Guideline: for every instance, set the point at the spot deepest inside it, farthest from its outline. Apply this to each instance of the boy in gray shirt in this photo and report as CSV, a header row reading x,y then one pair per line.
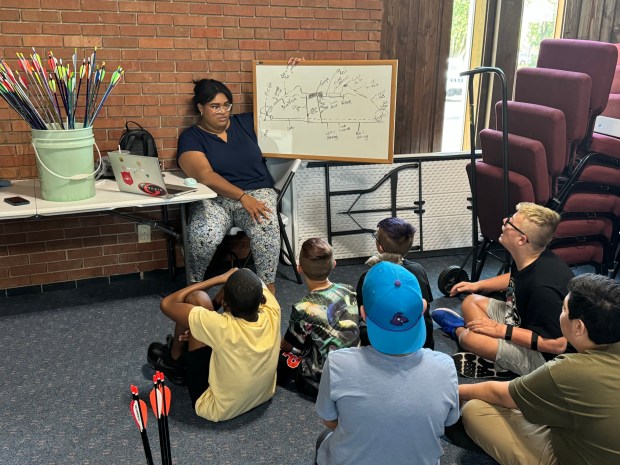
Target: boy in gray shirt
x,y
390,400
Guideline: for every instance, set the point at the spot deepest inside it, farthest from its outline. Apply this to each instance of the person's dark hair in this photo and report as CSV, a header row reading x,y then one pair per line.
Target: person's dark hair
x,y
595,300
395,235
205,90
243,293
316,258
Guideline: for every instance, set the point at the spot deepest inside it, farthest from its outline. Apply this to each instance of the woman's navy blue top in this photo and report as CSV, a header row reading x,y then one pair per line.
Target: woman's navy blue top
x,y
239,160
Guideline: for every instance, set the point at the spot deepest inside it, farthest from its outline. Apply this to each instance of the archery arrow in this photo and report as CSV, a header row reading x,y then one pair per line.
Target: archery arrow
x,y
139,413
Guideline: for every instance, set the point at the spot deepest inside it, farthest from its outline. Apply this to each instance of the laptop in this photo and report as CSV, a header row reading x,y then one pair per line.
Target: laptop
x,y
142,175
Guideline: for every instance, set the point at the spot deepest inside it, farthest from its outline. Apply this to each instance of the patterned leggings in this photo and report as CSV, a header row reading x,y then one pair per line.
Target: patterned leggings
x,y
209,220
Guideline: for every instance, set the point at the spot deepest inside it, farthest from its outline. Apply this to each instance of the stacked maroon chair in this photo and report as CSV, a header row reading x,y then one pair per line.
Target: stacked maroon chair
x,y
602,143
613,105
588,200
550,88
490,198
595,181
550,120
596,59
545,124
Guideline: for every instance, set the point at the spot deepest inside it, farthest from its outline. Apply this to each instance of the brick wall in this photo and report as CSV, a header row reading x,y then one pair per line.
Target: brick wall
x,y
76,247
163,46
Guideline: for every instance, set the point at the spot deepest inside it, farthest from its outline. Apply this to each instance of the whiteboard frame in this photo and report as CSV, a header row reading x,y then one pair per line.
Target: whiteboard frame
x,y
386,157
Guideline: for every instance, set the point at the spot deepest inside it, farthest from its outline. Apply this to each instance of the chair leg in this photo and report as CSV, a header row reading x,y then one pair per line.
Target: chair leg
x,y
481,259
289,250
247,260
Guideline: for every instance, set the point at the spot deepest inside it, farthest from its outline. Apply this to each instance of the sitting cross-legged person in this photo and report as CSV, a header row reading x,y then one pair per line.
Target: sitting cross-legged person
x,y
391,401
568,410
393,240
325,319
521,333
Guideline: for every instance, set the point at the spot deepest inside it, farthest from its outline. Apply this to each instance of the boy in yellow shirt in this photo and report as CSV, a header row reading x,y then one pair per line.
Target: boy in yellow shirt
x,y
231,358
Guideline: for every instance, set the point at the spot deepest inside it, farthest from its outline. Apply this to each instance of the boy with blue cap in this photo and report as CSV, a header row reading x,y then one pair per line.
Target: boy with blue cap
x,y
391,399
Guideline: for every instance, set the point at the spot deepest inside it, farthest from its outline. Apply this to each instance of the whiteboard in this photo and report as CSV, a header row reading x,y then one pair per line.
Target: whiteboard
x,y
326,110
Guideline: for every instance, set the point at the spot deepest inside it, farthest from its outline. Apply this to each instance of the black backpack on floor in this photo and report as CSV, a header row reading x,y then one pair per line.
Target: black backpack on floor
x,y
138,141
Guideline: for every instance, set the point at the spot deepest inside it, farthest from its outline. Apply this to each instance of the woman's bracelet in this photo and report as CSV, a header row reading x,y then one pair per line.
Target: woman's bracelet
x,y
239,199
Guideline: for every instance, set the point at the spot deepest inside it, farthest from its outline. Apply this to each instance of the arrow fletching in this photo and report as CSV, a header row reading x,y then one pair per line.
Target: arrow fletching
x,y
156,402
166,394
138,409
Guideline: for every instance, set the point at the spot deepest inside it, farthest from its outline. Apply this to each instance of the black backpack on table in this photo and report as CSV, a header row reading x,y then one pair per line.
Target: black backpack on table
x,y
138,141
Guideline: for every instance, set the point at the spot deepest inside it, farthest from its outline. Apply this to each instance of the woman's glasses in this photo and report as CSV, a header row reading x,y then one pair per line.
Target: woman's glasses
x,y
221,108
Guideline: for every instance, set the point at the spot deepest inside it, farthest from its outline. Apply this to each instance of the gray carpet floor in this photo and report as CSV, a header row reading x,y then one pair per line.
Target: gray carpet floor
x,y
70,357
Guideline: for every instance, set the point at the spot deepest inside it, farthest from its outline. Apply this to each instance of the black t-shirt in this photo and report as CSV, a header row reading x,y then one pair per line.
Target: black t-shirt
x,y
535,294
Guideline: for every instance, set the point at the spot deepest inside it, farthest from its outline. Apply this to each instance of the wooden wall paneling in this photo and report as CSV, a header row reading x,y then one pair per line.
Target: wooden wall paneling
x,y
388,44
607,19
572,12
506,51
615,28
390,50
426,76
413,32
408,24
592,20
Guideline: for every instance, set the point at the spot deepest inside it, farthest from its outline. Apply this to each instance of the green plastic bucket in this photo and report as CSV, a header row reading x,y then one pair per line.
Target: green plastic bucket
x,y
65,163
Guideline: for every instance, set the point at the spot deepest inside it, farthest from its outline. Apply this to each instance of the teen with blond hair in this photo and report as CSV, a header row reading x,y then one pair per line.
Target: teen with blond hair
x,y
521,333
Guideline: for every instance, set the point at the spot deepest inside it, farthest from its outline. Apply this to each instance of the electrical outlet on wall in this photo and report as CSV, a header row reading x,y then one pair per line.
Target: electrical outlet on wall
x,y
144,233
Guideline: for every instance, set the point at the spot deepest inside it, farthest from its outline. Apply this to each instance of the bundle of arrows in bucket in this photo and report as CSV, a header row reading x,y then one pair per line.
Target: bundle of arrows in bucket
x,y
42,95
160,398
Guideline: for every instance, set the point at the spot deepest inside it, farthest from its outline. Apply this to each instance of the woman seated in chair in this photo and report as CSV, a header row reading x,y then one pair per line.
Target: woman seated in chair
x,y
222,152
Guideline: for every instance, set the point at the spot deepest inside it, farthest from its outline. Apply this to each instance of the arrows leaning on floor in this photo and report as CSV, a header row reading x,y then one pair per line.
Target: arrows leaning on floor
x,y
139,413
160,403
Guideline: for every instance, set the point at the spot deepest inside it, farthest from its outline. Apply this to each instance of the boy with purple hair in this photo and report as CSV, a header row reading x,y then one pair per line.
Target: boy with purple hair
x,y
393,239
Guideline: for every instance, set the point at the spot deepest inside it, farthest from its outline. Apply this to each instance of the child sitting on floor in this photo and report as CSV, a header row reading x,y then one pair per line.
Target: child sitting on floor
x,y
228,360
325,319
393,239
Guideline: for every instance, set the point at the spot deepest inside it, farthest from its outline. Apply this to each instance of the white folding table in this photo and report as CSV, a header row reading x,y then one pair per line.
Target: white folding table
x,y
107,198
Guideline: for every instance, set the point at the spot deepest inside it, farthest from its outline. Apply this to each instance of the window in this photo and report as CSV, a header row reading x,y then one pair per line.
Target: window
x,y
456,86
537,23
540,19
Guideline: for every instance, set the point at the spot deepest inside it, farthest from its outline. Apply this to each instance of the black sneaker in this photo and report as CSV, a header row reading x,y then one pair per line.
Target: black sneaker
x,y
473,366
158,356
157,349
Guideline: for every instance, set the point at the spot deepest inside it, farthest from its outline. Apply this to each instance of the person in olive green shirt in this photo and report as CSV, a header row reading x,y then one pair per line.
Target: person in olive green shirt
x,y
568,410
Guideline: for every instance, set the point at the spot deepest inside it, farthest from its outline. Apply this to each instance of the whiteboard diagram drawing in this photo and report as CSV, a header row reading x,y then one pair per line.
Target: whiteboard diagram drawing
x,y
326,110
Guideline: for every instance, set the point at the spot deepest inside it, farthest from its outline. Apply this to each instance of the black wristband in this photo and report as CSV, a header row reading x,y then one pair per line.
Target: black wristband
x,y
508,335
534,344
239,199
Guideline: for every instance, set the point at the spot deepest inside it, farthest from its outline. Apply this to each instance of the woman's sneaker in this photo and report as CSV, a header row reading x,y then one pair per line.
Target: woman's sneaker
x,y
448,320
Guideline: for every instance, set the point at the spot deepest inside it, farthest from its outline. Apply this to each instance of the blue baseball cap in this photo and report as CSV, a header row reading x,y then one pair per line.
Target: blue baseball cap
x,y
394,307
